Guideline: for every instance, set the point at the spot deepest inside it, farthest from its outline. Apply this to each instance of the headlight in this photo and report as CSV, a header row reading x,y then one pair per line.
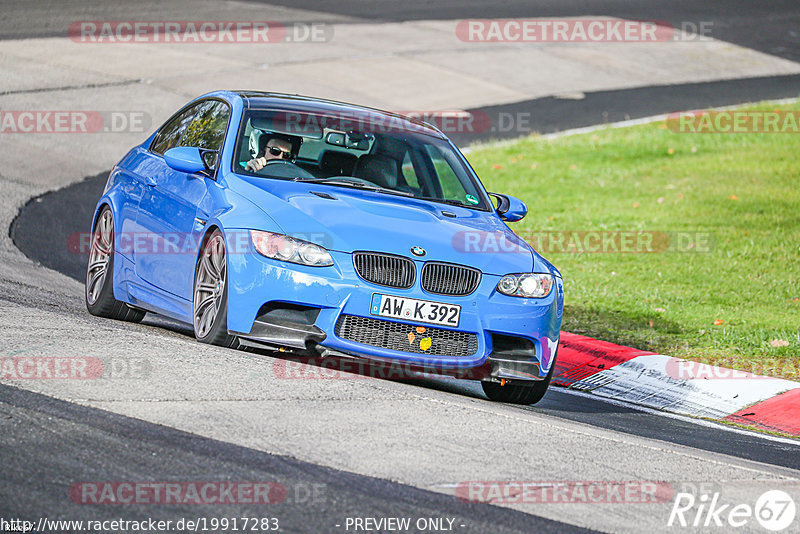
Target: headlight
x,y
529,285
285,248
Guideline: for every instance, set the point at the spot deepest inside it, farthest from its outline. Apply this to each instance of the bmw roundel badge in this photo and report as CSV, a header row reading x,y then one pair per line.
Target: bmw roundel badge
x,y
418,251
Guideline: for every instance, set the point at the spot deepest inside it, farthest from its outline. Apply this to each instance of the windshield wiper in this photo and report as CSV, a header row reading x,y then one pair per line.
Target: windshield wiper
x,y
450,201
338,180
332,180
312,179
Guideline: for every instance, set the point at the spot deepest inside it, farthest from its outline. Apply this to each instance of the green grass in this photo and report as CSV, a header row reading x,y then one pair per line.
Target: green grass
x,y
741,190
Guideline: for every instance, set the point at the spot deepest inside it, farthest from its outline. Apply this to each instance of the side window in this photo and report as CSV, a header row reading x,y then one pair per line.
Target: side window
x,y
409,173
449,182
207,129
444,165
171,132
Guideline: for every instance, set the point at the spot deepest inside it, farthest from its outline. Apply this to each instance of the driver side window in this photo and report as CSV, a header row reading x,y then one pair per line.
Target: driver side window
x,y
207,129
170,133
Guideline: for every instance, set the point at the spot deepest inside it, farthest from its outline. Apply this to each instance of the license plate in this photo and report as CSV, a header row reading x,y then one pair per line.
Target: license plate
x,y
420,311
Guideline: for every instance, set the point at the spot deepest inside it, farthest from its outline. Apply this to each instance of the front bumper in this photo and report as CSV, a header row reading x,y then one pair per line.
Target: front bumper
x,y
254,281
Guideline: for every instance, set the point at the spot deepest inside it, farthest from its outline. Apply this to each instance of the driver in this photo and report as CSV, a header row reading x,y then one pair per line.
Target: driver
x,y
276,148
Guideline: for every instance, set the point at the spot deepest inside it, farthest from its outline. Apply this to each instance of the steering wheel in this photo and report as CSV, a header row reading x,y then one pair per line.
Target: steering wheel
x,y
280,168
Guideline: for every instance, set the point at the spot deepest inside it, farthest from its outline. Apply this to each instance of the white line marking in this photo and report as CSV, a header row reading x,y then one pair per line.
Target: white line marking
x,y
680,417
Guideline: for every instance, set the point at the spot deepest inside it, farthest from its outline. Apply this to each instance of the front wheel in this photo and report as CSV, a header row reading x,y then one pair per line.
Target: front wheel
x,y
519,393
99,293
210,315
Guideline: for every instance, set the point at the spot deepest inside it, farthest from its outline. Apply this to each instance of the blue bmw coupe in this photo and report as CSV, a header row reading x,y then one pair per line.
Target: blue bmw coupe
x,y
325,229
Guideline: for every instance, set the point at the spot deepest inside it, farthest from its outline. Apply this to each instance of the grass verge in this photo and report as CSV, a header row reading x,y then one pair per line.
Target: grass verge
x,y
722,212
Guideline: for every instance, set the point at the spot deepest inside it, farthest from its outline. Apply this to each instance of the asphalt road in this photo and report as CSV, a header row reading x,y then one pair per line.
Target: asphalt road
x,y
374,448
554,114
769,26
63,215
94,446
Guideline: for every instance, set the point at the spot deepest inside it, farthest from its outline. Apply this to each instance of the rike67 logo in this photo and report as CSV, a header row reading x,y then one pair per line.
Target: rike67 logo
x,y
774,510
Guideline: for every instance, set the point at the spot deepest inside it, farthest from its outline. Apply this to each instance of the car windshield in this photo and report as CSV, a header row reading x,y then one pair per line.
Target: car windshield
x,y
355,151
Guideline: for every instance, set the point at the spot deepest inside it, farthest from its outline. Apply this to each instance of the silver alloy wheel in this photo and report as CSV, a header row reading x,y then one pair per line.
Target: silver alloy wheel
x,y
209,285
99,256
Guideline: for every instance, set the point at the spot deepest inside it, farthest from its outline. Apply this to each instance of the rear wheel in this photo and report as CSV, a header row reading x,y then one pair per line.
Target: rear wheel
x,y
99,293
519,393
210,315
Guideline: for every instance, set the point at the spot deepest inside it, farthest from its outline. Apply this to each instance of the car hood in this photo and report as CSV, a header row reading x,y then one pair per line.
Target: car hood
x,y
348,220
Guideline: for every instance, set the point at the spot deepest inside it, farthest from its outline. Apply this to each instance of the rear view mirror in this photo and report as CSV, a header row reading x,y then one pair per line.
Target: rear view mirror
x,y
354,140
185,159
358,140
335,138
510,208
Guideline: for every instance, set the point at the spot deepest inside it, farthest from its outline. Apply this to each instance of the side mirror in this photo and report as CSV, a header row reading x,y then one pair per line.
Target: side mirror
x,y
185,159
510,208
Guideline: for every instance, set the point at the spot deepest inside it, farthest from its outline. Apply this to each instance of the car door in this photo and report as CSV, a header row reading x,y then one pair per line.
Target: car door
x,y
170,209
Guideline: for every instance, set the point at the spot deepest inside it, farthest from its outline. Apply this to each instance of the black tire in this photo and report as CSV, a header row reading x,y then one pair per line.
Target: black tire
x,y
217,334
519,393
99,287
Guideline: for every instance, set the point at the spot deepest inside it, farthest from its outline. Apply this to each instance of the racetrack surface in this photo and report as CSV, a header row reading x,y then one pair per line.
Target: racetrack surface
x,y
96,443
180,411
62,215
555,113
768,26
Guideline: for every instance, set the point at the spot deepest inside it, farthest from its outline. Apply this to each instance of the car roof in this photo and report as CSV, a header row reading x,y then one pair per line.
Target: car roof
x,y
307,104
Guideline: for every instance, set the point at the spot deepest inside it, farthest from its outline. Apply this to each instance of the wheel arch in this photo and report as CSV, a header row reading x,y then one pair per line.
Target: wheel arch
x,y
104,203
111,199
208,231
220,338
